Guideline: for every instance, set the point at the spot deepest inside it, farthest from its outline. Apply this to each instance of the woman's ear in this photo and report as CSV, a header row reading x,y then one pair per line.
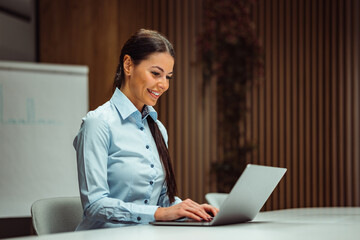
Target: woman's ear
x,y
127,65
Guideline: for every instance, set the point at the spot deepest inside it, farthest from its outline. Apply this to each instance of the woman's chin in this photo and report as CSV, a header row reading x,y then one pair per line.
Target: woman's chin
x,y
152,102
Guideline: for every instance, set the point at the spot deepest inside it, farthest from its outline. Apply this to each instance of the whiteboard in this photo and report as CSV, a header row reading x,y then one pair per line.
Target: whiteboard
x,y
41,106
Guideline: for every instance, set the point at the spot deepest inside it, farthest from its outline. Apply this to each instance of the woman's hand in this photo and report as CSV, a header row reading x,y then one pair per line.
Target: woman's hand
x,y
188,208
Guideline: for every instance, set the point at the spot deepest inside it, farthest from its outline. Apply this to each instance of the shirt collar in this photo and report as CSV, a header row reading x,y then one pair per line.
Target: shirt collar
x,y
126,108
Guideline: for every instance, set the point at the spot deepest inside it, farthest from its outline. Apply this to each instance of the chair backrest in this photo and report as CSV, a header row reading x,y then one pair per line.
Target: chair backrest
x,y
216,199
55,215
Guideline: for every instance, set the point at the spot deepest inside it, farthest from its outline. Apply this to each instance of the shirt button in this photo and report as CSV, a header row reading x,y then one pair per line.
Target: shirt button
x,y
146,201
151,182
142,129
138,218
152,166
147,146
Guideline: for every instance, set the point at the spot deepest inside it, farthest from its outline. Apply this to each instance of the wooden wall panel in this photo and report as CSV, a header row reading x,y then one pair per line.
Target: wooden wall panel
x,y
310,122
304,113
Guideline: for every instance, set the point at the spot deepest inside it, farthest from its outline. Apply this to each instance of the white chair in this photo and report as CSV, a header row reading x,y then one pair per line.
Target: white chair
x,y
55,215
216,199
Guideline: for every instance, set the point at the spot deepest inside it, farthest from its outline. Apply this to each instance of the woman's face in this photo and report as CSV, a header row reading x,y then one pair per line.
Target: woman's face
x,y
147,81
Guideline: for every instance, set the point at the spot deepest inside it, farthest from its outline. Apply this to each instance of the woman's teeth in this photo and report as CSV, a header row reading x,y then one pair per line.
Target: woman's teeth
x,y
155,93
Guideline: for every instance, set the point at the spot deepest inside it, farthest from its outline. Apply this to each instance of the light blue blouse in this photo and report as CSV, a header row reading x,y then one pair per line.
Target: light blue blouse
x,y
121,178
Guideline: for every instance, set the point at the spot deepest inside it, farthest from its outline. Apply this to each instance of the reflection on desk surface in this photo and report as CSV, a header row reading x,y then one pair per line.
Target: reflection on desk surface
x,y
312,215
294,224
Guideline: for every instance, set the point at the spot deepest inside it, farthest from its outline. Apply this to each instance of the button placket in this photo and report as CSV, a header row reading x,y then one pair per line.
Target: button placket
x,y
152,176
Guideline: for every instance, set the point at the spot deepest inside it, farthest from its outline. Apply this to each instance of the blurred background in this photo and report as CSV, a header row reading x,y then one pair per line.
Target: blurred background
x,y
300,105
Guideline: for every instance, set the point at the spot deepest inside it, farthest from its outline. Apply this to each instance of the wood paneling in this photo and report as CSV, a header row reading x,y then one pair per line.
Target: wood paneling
x,y
306,111
304,114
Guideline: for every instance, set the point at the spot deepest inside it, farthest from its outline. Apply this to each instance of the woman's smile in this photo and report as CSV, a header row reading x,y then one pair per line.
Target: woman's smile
x,y
154,94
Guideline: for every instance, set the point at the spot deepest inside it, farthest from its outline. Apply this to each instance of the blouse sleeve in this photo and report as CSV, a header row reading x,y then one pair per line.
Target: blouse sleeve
x,y
92,145
164,200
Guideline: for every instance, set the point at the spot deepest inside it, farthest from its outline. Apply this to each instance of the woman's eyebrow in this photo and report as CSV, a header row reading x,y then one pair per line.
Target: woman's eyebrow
x,y
162,70
158,68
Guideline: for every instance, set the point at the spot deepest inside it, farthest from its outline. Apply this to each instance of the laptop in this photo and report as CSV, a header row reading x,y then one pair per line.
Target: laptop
x,y
245,200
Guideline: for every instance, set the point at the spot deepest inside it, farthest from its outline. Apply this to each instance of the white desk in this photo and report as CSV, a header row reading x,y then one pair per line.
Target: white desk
x,y
307,223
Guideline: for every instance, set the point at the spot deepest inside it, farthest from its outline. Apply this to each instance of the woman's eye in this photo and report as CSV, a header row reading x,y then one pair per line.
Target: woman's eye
x,y
169,77
155,73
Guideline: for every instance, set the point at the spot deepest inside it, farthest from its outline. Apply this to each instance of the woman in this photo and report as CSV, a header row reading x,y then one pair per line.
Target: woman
x,y
124,167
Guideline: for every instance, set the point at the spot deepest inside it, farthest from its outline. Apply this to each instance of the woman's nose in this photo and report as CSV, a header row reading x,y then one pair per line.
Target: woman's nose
x,y
163,84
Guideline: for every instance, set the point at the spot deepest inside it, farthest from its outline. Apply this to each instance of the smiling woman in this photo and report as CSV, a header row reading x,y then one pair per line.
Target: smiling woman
x,y
124,167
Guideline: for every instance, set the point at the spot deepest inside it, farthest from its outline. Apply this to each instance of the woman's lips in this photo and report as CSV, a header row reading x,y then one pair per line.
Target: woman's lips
x,y
154,94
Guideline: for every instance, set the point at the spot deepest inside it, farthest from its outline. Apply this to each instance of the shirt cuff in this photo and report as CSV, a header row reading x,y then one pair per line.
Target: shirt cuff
x,y
177,201
144,214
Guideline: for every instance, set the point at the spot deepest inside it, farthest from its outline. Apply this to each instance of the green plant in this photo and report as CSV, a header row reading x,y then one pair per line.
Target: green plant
x,y
230,53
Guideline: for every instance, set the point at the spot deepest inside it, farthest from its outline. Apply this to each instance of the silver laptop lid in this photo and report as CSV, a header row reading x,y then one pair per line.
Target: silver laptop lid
x,y
249,194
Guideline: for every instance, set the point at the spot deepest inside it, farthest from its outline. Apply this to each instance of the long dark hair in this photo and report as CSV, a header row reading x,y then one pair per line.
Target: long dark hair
x,y
139,46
